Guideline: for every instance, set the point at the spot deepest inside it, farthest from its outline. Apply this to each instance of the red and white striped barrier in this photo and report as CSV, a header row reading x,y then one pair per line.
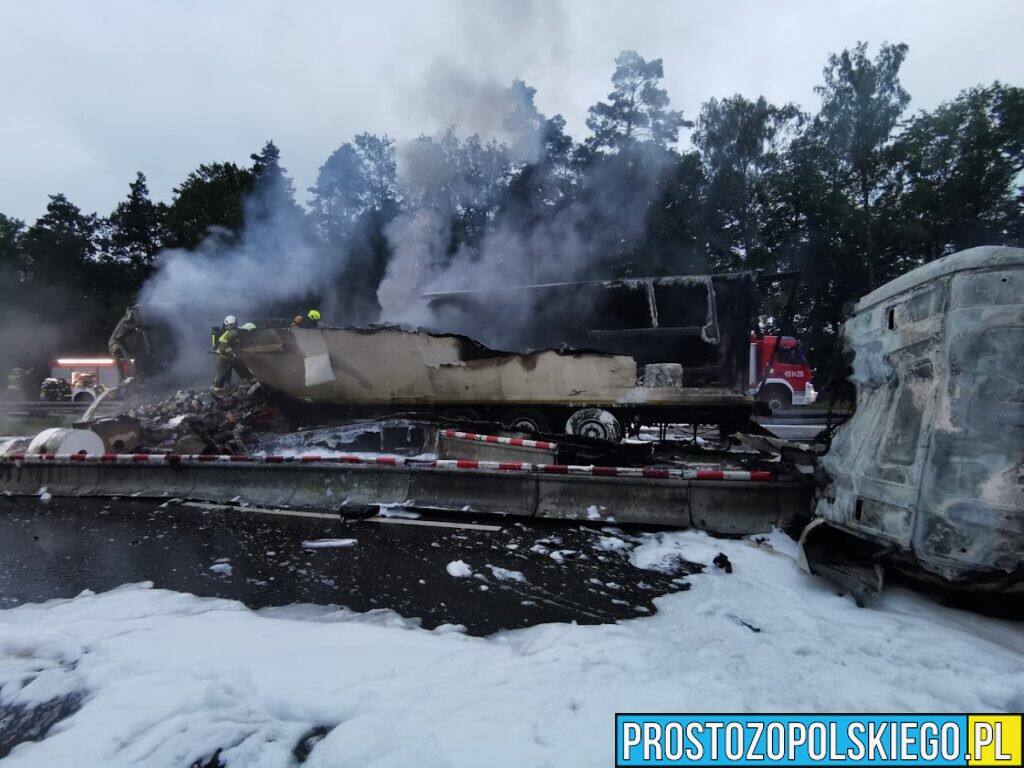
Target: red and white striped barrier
x,y
174,459
501,440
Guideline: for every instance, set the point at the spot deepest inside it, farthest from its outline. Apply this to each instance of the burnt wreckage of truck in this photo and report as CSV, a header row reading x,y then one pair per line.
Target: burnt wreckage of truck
x,y
700,322
608,353
927,476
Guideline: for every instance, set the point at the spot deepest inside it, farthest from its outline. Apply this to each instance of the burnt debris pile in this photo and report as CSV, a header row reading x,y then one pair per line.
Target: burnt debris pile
x,y
203,421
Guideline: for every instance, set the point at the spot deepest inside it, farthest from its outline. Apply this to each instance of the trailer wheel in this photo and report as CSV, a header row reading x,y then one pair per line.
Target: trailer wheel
x,y
595,423
83,397
776,396
526,420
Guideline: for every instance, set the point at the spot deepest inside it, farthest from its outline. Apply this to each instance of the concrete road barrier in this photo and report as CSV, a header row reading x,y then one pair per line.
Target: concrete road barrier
x,y
615,499
710,500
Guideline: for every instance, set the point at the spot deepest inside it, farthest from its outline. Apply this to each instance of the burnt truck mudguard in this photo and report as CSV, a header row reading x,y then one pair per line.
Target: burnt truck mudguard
x,y
930,469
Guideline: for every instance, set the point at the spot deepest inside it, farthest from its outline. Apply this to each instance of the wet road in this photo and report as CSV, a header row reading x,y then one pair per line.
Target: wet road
x,y
522,574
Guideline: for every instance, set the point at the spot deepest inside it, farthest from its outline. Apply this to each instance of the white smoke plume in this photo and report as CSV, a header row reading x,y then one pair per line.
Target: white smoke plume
x,y
490,136
549,240
272,266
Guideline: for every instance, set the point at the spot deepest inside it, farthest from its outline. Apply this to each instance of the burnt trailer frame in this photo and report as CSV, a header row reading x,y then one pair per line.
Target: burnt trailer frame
x,y
659,350
701,322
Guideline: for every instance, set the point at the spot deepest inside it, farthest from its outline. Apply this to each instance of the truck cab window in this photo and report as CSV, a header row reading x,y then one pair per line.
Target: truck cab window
x,y
790,355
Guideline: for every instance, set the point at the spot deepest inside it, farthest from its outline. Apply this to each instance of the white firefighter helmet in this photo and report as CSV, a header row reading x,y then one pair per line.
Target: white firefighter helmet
x,y
230,320
249,327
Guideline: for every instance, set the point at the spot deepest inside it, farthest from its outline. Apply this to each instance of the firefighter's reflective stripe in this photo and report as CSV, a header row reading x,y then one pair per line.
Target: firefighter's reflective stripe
x,y
224,343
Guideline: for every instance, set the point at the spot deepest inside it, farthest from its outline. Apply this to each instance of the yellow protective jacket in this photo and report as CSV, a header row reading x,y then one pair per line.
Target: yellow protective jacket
x,y
224,342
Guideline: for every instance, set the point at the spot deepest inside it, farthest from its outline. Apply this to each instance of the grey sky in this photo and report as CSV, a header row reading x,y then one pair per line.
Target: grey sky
x,y
93,91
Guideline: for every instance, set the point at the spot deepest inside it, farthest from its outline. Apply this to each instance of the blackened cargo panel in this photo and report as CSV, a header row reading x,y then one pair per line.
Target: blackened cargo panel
x,y
701,322
392,366
932,462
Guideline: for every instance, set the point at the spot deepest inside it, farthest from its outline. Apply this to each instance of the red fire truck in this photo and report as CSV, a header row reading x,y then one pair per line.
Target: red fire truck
x,y
79,379
783,380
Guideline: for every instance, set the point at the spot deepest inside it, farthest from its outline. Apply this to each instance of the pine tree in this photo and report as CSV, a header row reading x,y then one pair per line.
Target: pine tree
x,y
637,108
624,168
137,227
862,102
357,179
12,259
60,248
273,193
353,201
835,213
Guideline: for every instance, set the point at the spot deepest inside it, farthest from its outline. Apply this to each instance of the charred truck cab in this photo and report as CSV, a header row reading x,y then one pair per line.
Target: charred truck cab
x,y
929,471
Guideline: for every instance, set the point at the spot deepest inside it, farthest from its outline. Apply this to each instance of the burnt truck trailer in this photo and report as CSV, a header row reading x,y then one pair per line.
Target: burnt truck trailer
x,y
689,332
590,358
385,370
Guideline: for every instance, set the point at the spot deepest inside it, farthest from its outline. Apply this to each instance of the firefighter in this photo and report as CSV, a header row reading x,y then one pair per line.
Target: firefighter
x,y
311,320
215,333
54,389
16,381
227,361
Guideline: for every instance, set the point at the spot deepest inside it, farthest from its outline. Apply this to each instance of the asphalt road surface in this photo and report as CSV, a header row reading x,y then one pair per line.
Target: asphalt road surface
x,y
58,548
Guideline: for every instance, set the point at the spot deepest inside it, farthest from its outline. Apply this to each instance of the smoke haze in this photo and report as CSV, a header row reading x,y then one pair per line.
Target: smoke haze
x,y
540,239
270,267
493,133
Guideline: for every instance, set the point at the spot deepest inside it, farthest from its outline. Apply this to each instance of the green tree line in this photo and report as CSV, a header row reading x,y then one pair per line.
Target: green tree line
x,y
851,195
